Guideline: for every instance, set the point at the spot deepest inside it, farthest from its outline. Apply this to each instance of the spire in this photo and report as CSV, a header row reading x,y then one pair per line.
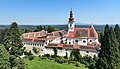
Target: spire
x,y
71,16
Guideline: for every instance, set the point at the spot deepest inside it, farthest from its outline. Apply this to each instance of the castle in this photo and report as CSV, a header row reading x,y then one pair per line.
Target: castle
x,y
83,39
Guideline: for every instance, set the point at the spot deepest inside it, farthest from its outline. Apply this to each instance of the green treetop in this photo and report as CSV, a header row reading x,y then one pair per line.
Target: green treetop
x,y
109,53
12,40
4,58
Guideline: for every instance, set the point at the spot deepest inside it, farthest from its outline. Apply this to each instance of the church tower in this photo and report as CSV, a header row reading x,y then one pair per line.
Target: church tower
x,y
71,24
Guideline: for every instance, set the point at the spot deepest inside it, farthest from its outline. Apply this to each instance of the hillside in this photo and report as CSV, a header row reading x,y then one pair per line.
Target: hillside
x,y
38,63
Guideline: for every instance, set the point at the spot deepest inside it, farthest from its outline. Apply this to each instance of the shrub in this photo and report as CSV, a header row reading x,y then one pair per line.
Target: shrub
x,y
66,56
77,64
31,57
39,55
56,59
65,60
35,50
75,55
60,60
71,62
87,60
26,57
28,53
47,55
43,58
55,52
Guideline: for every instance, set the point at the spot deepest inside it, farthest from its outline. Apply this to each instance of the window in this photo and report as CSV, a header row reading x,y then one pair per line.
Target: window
x,y
69,42
76,40
84,41
70,25
90,40
87,51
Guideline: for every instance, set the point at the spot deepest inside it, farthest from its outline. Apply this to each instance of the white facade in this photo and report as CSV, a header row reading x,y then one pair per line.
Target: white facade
x,y
60,52
71,26
56,40
89,53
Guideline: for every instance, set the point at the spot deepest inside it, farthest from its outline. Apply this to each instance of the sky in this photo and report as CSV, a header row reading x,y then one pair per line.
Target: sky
x,y
43,12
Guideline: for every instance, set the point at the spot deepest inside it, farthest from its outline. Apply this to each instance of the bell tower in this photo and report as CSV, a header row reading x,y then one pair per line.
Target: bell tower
x,y
71,22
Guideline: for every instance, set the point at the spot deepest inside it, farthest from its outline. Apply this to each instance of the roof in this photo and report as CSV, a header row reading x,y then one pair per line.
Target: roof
x,y
81,47
60,33
83,33
42,35
34,34
34,40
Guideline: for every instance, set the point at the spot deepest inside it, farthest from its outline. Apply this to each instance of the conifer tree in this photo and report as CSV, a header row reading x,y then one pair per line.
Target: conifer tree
x,y
109,53
103,51
12,40
75,55
4,58
117,32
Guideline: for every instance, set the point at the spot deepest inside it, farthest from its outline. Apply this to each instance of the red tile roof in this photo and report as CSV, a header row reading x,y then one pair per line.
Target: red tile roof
x,y
81,47
83,33
42,35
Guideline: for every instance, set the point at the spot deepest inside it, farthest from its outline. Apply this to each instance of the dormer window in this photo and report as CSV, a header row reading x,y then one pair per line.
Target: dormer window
x,y
76,40
90,40
84,41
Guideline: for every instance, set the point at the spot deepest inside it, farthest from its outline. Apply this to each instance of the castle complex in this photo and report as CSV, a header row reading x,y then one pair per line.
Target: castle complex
x,y
83,39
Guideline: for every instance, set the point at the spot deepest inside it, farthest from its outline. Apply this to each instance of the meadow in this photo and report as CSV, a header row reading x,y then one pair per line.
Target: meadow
x,y
38,63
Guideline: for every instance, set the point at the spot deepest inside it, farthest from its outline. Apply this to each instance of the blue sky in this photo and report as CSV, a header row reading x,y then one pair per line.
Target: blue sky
x,y
40,12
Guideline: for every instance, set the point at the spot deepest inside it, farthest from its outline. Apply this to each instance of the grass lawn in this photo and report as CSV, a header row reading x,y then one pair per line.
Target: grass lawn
x,y
38,63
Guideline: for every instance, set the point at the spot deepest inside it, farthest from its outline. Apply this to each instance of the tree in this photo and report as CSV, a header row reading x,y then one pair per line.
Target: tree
x,y
39,28
12,40
21,64
44,28
75,55
26,31
117,32
100,35
102,62
109,53
2,34
4,58
55,52
50,29
13,61
92,65
66,56
35,50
